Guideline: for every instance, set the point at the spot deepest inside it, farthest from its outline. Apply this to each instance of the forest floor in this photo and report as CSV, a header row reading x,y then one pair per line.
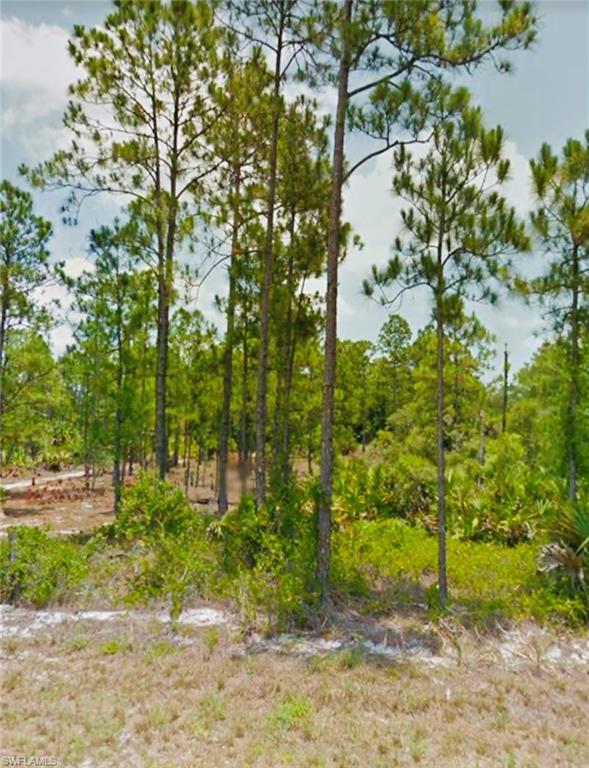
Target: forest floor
x,y
61,500
134,689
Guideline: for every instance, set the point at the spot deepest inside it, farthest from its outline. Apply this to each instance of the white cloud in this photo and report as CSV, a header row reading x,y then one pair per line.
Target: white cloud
x,y
35,58
35,73
518,187
75,266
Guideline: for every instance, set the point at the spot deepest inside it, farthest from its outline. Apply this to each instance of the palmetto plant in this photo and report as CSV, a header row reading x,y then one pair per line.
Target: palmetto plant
x,y
570,553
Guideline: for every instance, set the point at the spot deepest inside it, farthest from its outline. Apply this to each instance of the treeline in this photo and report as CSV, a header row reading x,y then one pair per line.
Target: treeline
x,y
203,119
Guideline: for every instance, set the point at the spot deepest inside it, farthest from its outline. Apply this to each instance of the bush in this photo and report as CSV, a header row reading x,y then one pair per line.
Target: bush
x,y
565,559
502,501
174,558
405,488
269,555
38,568
154,509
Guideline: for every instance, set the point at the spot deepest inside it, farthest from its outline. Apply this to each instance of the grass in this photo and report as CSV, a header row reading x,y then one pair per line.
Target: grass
x,y
191,707
390,564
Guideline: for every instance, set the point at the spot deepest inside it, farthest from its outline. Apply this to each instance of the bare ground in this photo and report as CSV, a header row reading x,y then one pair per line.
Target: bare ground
x,y
137,690
62,501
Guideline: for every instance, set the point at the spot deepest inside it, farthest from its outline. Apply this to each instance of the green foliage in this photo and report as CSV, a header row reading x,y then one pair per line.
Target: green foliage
x,y
389,562
114,647
174,558
38,568
270,554
290,713
503,500
154,509
405,488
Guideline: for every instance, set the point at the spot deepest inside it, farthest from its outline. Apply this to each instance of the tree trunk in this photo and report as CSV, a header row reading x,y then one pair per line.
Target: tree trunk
x,y
280,457
187,449
228,361
176,452
161,442
574,381
244,449
505,390
440,450
482,443
3,323
117,474
165,282
333,250
262,394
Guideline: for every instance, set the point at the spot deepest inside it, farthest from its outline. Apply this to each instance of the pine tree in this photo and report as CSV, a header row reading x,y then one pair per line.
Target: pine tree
x,y
24,270
561,223
459,233
140,118
387,60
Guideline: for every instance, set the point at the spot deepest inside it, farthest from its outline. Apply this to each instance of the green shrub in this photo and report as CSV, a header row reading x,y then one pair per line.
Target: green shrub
x,y
390,560
154,509
38,568
269,555
501,501
290,713
405,488
174,559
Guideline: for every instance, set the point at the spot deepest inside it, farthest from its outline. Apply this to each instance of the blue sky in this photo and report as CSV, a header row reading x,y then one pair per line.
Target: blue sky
x,y
545,99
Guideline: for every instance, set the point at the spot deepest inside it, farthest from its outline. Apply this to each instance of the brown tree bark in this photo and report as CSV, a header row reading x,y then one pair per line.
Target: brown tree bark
x,y
574,380
333,252
225,434
262,393
440,449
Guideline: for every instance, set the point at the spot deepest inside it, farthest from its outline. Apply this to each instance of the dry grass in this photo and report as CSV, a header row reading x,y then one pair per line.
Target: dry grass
x,y
139,695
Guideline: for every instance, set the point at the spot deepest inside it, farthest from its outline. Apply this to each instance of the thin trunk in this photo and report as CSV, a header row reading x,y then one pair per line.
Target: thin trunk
x,y
244,463
505,390
333,249
165,279
187,439
176,453
161,442
441,454
3,323
262,395
482,442
117,475
144,449
228,360
280,457
86,433
574,381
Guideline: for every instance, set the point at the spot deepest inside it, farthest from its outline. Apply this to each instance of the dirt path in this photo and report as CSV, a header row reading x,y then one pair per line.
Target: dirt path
x,y
27,482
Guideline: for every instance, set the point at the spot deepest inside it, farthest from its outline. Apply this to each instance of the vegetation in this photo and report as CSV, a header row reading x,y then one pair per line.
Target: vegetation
x,y
443,484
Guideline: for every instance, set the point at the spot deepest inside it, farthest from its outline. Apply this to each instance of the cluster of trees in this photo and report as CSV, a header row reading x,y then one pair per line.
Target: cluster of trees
x,y
202,118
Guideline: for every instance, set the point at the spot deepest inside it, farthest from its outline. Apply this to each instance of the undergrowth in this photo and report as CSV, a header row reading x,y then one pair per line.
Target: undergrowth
x,y
162,550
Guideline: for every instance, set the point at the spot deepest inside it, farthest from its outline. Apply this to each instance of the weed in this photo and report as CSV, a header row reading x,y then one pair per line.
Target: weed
x,y
290,713
114,646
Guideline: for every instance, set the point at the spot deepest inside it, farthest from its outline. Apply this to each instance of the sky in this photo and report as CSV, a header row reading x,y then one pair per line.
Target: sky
x,y
546,98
